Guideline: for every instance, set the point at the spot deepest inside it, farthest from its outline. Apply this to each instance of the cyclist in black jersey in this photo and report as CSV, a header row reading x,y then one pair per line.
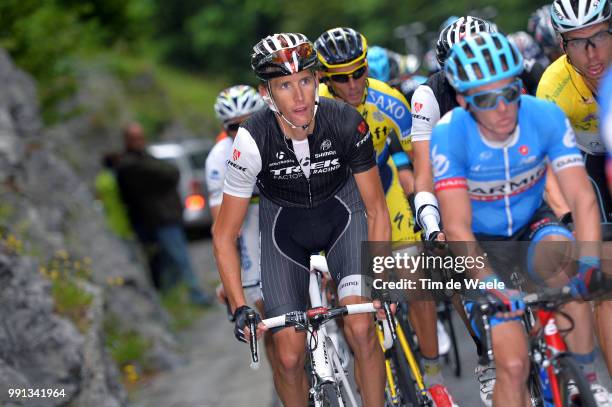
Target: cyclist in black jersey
x,y
313,162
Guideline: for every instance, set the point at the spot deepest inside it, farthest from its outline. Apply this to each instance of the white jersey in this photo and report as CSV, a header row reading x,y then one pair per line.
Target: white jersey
x,y
216,168
425,113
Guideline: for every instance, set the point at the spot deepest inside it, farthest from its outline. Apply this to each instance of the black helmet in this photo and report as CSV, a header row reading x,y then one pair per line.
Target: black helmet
x,y
282,54
459,29
341,46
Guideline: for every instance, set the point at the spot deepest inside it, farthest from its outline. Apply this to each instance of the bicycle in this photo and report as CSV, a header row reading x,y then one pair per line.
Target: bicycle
x,y
554,373
405,386
329,384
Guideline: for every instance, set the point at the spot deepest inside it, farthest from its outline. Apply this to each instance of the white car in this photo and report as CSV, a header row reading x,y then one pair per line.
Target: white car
x,y
189,157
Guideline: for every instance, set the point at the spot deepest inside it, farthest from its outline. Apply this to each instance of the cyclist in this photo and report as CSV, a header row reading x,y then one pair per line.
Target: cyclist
x,y
342,52
540,26
571,82
532,54
490,158
233,106
606,119
430,102
313,162
379,67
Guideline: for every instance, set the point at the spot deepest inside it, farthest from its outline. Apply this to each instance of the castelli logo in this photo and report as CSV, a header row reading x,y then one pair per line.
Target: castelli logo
x,y
236,154
524,150
362,127
417,107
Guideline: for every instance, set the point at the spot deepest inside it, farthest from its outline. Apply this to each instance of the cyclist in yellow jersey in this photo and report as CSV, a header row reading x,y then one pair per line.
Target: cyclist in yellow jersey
x,y
342,52
571,82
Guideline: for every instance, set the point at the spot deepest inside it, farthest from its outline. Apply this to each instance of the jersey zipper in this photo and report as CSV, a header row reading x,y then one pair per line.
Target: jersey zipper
x,y
298,163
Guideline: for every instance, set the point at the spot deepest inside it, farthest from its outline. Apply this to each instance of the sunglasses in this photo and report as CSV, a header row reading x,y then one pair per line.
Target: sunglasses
x,y
232,127
595,40
356,73
489,99
291,55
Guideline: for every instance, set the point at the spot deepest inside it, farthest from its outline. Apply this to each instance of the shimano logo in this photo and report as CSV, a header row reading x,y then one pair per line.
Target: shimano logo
x,y
325,154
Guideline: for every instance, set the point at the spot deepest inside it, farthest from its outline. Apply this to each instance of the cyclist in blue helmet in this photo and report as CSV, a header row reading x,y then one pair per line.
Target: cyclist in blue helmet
x,y
489,160
378,63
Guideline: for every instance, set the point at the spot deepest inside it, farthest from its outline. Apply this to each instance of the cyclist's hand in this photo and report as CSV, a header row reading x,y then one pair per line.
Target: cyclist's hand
x,y
380,313
508,299
241,329
588,279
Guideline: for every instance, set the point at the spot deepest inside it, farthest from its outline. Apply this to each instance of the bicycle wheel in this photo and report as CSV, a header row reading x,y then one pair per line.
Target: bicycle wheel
x,y
330,397
570,376
409,392
452,357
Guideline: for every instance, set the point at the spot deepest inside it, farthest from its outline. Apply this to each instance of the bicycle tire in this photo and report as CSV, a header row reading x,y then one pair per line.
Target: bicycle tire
x,y
329,395
453,357
406,383
568,370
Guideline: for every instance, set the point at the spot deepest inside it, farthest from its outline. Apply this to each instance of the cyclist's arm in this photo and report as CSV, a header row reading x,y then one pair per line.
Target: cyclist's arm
x,y
225,233
370,188
401,159
240,178
580,197
554,196
214,175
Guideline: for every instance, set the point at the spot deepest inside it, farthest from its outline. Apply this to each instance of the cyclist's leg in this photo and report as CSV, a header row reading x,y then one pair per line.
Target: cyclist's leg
x,y
344,260
284,276
510,350
603,309
423,315
549,258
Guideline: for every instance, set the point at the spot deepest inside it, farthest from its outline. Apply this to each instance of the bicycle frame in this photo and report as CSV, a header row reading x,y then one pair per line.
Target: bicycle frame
x,y
412,363
553,346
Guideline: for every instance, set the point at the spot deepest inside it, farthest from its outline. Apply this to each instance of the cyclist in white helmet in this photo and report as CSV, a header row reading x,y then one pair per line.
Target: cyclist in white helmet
x,y
233,106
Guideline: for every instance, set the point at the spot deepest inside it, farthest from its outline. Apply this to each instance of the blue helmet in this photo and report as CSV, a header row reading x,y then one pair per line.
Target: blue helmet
x,y
482,59
378,63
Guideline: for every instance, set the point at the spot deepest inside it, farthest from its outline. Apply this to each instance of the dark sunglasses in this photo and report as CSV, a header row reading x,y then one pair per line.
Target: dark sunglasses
x,y
233,127
489,99
344,77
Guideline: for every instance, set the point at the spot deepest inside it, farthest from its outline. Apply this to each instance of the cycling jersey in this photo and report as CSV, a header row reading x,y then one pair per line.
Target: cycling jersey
x,y
562,85
262,156
430,102
388,116
605,96
565,87
505,181
299,215
248,241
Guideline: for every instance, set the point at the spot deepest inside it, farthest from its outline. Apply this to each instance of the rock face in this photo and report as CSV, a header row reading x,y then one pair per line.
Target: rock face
x,y
49,208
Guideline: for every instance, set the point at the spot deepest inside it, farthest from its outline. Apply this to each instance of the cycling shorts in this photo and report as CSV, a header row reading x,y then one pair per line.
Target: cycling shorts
x,y
504,258
290,235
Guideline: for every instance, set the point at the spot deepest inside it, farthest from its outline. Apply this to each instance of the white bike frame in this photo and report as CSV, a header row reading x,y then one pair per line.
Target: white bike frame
x,y
326,362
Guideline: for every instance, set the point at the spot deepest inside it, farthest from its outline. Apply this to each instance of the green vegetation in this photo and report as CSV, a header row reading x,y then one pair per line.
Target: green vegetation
x,y
70,298
183,312
193,48
126,347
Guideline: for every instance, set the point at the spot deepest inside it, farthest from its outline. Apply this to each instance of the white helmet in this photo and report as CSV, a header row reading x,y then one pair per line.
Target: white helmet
x,y
237,101
569,15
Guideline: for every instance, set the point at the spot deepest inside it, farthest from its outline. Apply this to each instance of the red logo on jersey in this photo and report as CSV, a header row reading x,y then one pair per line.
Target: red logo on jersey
x,y
417,107
524,150
362,127
236,155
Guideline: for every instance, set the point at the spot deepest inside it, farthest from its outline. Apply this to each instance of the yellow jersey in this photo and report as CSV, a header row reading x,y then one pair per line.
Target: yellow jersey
x,y
562,85
387,114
